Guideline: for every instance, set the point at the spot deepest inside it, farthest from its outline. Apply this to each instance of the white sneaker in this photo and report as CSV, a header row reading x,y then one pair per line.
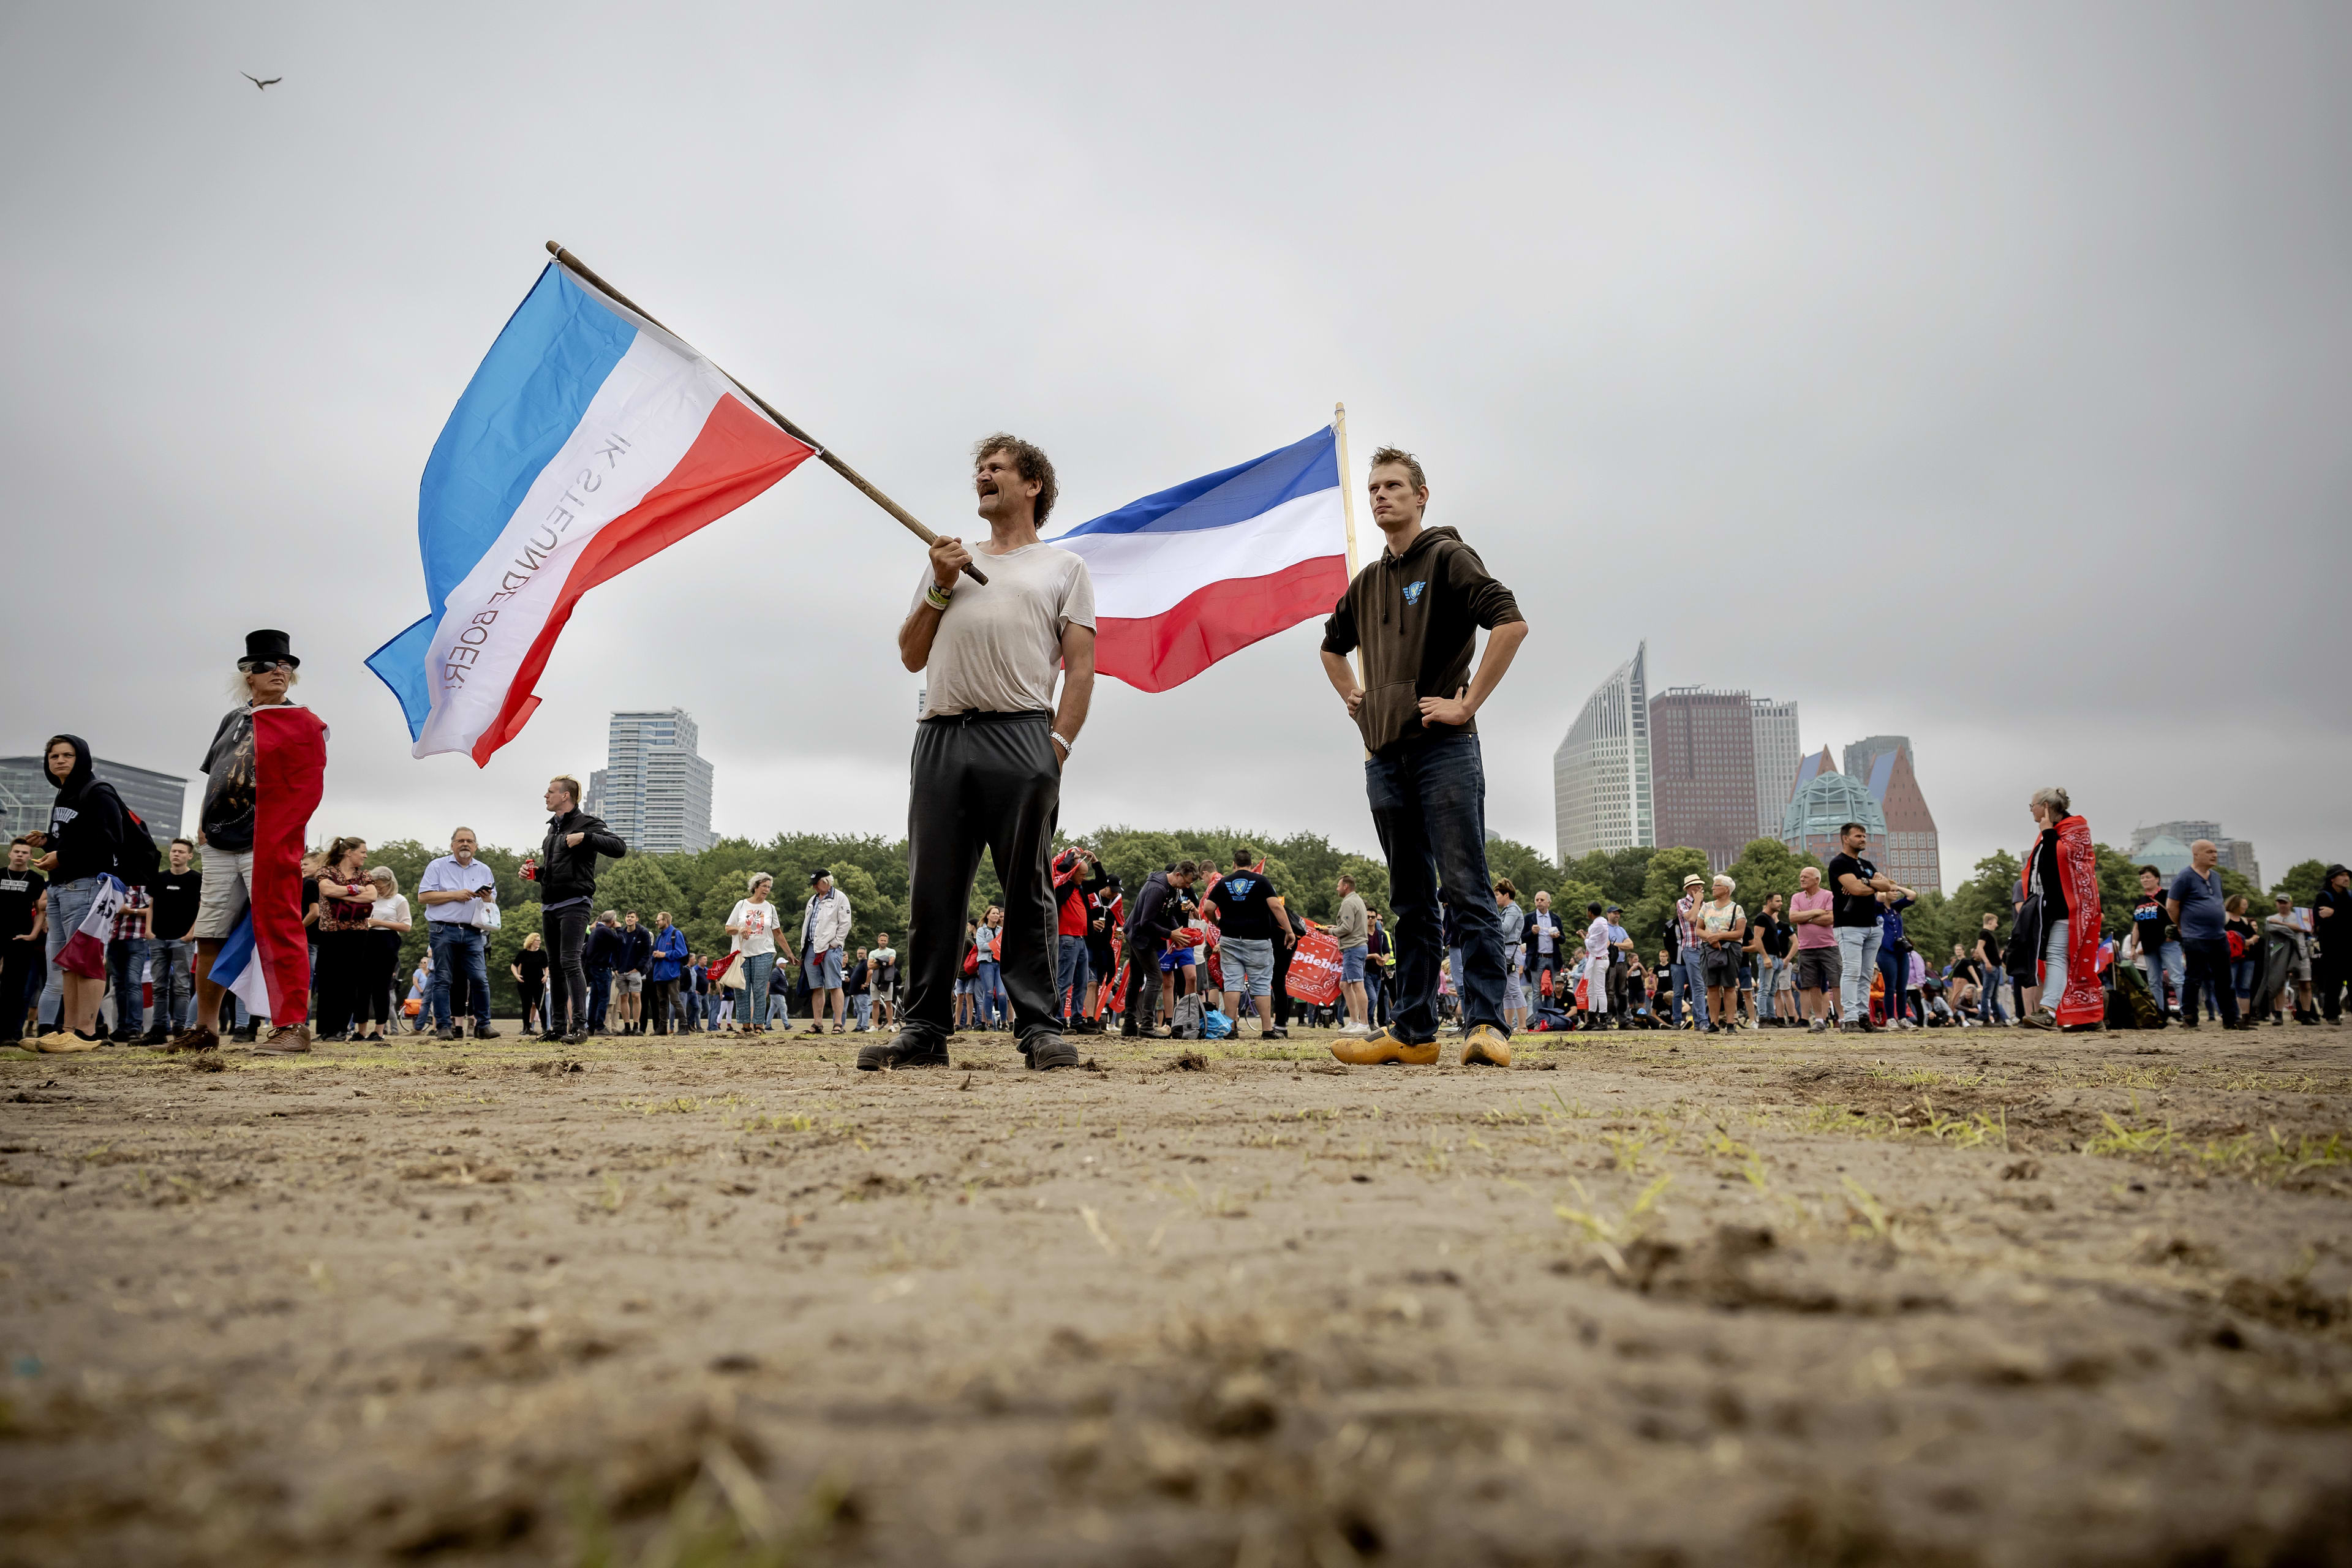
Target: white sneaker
x,y
1357,1031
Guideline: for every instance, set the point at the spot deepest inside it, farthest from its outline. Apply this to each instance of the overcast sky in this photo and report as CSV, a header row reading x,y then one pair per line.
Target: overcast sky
x,y
1977,373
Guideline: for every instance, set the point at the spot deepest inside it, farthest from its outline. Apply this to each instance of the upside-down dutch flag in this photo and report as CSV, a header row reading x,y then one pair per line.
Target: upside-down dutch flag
x,y
266,961
589,439
1184,577
85,952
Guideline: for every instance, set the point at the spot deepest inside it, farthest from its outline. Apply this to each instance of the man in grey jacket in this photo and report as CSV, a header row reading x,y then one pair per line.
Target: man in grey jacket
x,y
1354,931
824,934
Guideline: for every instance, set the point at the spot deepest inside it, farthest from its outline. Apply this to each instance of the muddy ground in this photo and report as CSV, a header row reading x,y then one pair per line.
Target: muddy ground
x,y
1981,1297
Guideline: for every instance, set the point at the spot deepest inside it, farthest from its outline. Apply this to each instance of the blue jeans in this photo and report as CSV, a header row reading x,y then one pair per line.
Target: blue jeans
x,y
453,944
1690,991
1857,960
1429,803
1768,971
2166,960
174,996
714,1007
68,905
1988,1007
989,992
862,1004
1070,978
1895,965
751,1003
600,995
126,966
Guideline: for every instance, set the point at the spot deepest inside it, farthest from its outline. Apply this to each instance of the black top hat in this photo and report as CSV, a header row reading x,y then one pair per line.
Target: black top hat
x,y
268,644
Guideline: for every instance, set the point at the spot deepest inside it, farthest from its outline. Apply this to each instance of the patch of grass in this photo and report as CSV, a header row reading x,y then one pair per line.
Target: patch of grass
x,y
1628,1148
2121,1139
1608,1236
1869,1212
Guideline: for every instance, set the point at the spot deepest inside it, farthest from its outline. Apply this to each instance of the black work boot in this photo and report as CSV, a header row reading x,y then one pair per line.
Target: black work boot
x,y
909,1048
1047,1050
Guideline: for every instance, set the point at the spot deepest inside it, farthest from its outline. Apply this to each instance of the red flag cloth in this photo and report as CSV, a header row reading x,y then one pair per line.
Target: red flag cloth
x,y
1314,968
289,774
2085,1000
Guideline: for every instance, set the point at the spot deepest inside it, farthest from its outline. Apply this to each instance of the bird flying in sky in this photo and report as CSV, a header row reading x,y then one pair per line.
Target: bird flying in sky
x,y
256,81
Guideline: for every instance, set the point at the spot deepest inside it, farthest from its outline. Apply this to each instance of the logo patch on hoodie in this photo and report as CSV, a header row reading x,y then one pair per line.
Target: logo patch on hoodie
x,y
1412,591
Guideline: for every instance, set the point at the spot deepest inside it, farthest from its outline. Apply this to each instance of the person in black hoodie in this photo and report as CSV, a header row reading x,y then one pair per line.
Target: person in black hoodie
x,y
88,829
1415,614
1159,910
565,870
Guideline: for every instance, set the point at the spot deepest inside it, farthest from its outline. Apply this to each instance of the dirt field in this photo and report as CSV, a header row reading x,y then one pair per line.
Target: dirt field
x,y
1953,1299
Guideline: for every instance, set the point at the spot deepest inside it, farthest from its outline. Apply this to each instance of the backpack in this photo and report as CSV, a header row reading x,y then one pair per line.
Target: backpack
x,y
139,859
1188,1016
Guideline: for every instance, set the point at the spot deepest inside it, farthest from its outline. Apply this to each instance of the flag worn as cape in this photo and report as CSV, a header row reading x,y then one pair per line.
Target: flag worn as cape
x,y
266,961
2085,1000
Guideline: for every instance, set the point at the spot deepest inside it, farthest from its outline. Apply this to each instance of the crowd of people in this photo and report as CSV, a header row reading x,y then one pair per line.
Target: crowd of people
x,y
93,918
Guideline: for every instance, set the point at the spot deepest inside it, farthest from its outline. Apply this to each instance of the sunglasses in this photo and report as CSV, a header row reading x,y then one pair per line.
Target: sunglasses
x,y
264,665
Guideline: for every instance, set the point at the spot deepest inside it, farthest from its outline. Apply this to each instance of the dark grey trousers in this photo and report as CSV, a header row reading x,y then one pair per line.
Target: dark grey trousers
x,y
982,781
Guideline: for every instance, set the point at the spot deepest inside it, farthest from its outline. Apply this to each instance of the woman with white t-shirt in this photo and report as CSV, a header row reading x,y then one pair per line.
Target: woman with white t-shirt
x,y
378,946
752,925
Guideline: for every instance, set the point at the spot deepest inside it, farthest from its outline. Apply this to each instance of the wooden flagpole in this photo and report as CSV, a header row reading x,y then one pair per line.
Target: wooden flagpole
x,y
1348,502
1347,481
573,264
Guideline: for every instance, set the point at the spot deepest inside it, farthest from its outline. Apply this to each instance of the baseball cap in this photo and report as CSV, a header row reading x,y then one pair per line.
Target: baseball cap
x,y
819,874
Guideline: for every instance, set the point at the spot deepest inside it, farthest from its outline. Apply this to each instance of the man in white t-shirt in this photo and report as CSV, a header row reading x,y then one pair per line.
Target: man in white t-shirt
x,y
1596,962
988,753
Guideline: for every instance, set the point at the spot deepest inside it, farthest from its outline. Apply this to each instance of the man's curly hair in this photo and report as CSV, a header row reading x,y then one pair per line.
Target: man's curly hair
x,y
1028,462
1404,459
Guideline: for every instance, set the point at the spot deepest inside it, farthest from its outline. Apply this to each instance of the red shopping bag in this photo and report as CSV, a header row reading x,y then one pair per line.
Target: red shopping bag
x,y
1314,969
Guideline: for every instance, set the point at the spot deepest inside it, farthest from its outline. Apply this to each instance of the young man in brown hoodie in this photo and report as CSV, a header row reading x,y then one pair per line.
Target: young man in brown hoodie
x,y
1415,614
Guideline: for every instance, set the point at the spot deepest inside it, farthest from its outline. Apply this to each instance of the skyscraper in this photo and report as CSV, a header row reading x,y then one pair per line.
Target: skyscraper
x,y
1824,801
1863,755
1776,762
1600,774
654,789
1703,770
1913,856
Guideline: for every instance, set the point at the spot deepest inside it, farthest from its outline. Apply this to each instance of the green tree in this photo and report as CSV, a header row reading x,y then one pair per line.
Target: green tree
x,y
640,883
1766,867
1527,867
2301,882
1661,885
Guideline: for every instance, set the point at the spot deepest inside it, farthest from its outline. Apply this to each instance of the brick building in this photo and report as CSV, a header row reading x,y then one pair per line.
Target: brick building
x,y
1703,770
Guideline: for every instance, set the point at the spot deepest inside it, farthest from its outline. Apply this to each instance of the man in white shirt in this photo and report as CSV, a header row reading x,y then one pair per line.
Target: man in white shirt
x,y
456,890
824,930
1596,962
989,753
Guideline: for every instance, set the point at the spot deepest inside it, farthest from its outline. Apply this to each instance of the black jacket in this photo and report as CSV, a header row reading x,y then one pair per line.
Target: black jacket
x,y
602,948
566,873
635,951
1159,910
90,825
